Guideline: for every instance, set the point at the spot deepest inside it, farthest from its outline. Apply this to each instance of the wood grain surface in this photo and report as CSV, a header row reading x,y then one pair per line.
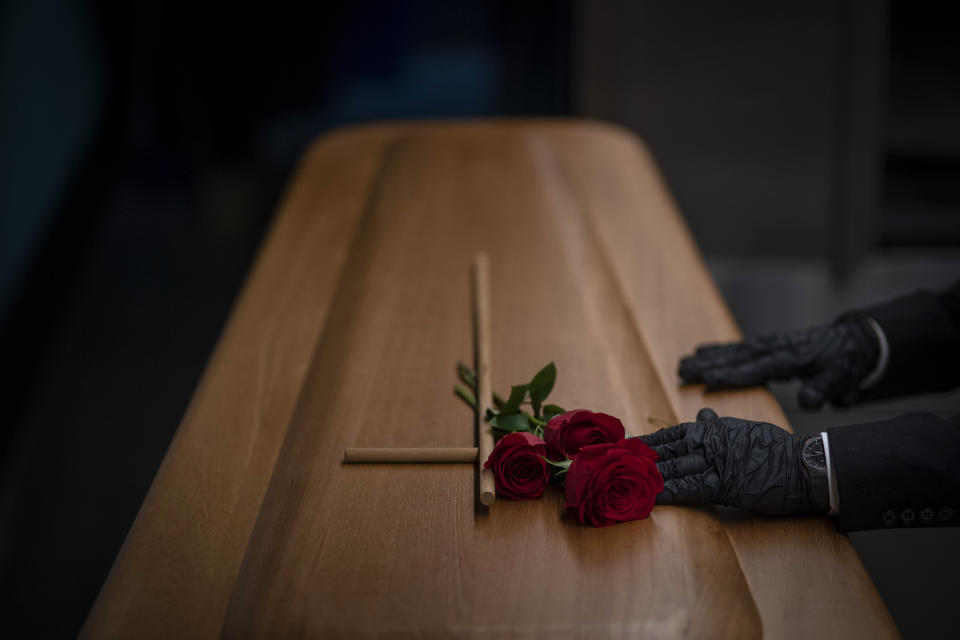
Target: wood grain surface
x,y
346,335
410,454
480,303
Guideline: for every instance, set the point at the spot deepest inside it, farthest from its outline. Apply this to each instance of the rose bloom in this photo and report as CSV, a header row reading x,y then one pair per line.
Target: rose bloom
x,y
613,482
519,469
567,433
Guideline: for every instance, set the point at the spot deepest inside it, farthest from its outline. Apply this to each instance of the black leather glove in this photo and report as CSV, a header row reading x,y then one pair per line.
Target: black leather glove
x,y
733,462
832,360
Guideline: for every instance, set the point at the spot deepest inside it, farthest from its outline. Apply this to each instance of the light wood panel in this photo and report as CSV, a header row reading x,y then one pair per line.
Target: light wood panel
x,y
346,335
805,577
410,454
347,551
480,286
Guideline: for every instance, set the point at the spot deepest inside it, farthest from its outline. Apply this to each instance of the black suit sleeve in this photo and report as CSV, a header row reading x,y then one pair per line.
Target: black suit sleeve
x,y
923,332
897,473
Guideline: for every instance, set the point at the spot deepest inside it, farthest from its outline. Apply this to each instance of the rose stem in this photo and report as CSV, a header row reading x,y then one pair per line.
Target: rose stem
x,y
481,326
410,454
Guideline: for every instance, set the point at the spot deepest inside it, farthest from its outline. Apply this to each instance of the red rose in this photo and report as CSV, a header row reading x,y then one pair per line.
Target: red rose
x,y
567,433
519,470
611,483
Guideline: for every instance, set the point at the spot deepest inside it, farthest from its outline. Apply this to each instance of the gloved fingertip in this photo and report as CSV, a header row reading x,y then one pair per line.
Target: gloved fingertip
x,y
666,496
689,370
716,380
706,414
709,378
810,398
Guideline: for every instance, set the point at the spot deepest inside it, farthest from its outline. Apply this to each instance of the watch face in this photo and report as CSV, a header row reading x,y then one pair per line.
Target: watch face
x,y
813,454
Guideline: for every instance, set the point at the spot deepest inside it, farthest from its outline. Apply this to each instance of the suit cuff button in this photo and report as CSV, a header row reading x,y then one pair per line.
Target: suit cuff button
x,y
888,517
947,514
907,516
927,515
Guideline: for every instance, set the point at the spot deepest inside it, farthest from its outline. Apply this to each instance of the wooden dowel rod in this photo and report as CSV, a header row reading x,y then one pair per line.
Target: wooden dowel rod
x,y
410,454
481,324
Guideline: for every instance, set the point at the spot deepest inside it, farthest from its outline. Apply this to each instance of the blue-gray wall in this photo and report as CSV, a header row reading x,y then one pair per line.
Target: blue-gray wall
x,y
45,126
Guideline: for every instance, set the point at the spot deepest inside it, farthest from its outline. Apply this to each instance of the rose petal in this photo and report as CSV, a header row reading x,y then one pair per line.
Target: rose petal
x,y
519,471
639,448
566,434
612,483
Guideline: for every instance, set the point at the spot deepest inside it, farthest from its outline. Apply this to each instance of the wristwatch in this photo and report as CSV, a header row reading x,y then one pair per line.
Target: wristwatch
x,y
814,464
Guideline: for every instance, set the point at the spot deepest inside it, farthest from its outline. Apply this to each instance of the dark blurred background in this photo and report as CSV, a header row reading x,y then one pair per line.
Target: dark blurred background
x,y
814,148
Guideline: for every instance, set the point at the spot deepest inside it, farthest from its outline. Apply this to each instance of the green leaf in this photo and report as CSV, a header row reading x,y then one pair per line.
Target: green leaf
x,y
538,425
469,378
498,433
562,464
491,414
517,393
541,386
534,420
465,395
467,375
551,411
512,422
558,470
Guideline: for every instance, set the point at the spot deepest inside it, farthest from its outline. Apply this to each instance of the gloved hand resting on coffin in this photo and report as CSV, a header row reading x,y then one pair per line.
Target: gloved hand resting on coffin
x,y
740,463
